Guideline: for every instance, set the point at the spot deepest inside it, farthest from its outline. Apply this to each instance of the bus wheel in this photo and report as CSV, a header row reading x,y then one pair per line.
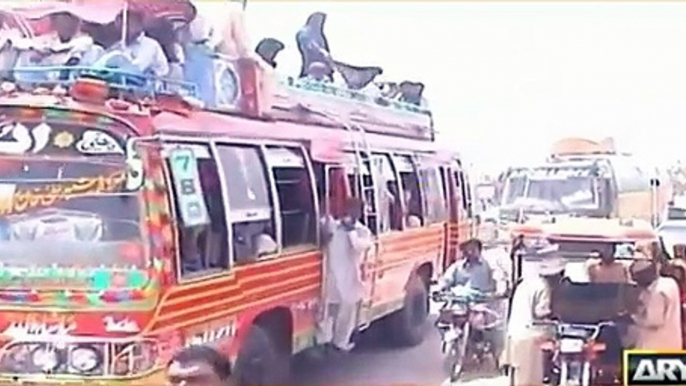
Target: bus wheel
x,y
407,326
260,362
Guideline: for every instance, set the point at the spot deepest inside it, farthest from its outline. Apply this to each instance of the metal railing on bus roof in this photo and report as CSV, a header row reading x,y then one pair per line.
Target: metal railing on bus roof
x,y
146,85
345,93
117,80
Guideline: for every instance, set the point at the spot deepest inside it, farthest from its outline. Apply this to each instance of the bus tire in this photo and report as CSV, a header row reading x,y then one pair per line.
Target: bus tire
x,y
407,327
260,362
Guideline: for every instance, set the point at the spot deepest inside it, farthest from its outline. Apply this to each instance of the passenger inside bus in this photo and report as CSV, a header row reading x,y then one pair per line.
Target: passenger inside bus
x,y
296,202
413,203
204,247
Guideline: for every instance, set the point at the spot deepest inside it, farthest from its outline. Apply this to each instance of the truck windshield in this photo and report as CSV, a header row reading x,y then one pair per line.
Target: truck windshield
x,y
65,206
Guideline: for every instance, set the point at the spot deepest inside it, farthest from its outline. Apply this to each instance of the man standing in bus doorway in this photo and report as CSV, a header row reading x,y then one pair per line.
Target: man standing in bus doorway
x,y
344,286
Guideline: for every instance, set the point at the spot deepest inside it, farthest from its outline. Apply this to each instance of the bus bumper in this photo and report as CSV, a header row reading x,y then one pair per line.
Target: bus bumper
x,y
156,379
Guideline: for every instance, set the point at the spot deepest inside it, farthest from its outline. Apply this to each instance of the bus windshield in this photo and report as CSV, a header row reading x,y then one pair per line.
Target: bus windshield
x,y
65,205
553,190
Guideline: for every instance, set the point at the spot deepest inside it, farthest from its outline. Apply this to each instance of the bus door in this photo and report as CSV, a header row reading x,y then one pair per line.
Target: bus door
x,y
459,226
357,181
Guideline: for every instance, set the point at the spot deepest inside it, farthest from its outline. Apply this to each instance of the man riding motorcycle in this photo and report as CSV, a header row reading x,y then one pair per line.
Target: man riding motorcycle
x,y
471,271
473,274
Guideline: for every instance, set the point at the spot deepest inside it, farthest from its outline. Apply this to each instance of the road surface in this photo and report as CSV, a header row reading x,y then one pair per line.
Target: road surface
x,y
374,365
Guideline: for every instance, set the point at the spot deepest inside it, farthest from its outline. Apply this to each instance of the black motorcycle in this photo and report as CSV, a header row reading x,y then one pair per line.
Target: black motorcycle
x,y
464,323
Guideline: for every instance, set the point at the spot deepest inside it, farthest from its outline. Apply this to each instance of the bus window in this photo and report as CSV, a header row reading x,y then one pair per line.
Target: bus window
x,y
390,203
464,190
430,181
361,184
411,192
296,198
198,202
250,206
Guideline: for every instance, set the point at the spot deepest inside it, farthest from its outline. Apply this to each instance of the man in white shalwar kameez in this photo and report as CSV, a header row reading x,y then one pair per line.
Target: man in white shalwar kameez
x,y
344,287
657,323
531,303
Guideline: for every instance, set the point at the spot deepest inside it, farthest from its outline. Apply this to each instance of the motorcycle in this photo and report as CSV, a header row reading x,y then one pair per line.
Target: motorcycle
x,y
464,322
574,352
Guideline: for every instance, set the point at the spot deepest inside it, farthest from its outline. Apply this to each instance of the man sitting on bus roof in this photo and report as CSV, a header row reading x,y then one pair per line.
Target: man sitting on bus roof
x,y
471,271
65,45
139,53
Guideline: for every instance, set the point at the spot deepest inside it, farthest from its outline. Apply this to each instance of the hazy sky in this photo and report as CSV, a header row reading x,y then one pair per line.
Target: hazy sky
x,y
506,79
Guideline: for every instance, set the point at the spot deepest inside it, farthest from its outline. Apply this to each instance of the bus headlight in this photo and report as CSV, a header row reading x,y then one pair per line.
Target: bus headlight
x,y
46,358
85,359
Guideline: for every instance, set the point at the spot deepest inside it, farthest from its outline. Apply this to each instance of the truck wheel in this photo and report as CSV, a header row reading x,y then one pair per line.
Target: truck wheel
x,y
407,326
260,361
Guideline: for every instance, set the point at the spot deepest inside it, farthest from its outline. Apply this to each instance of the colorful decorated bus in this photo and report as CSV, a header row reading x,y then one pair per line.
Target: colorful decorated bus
x,y
136,220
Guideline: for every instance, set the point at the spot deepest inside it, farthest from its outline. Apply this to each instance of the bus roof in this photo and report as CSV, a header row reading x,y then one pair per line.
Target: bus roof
x,y
224,96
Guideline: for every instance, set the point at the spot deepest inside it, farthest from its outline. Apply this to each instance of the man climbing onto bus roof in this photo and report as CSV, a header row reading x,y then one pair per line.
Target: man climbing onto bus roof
x,y
344,288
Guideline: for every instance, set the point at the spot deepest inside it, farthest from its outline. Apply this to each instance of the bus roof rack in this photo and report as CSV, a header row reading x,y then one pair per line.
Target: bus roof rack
x,y
117,80
233,87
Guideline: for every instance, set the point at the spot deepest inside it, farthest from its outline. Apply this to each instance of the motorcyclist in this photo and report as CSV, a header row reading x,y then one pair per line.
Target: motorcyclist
x,y
472,271
473,274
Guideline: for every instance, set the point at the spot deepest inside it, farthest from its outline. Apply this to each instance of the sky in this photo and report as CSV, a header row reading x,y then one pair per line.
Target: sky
x,y
506,79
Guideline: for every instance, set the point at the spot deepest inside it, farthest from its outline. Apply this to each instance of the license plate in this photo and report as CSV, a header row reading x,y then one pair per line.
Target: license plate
x,y
571,346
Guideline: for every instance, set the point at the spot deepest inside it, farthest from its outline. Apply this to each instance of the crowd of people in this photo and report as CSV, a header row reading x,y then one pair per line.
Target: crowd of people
x,y
652,325
160,49
72,43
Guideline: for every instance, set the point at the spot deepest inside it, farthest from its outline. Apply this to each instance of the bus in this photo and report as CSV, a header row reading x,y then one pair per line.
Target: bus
x,y
586,198
141,215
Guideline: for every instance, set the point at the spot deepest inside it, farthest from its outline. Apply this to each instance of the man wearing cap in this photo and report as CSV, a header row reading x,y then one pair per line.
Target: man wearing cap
x,y
607,269
531,303
657,322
